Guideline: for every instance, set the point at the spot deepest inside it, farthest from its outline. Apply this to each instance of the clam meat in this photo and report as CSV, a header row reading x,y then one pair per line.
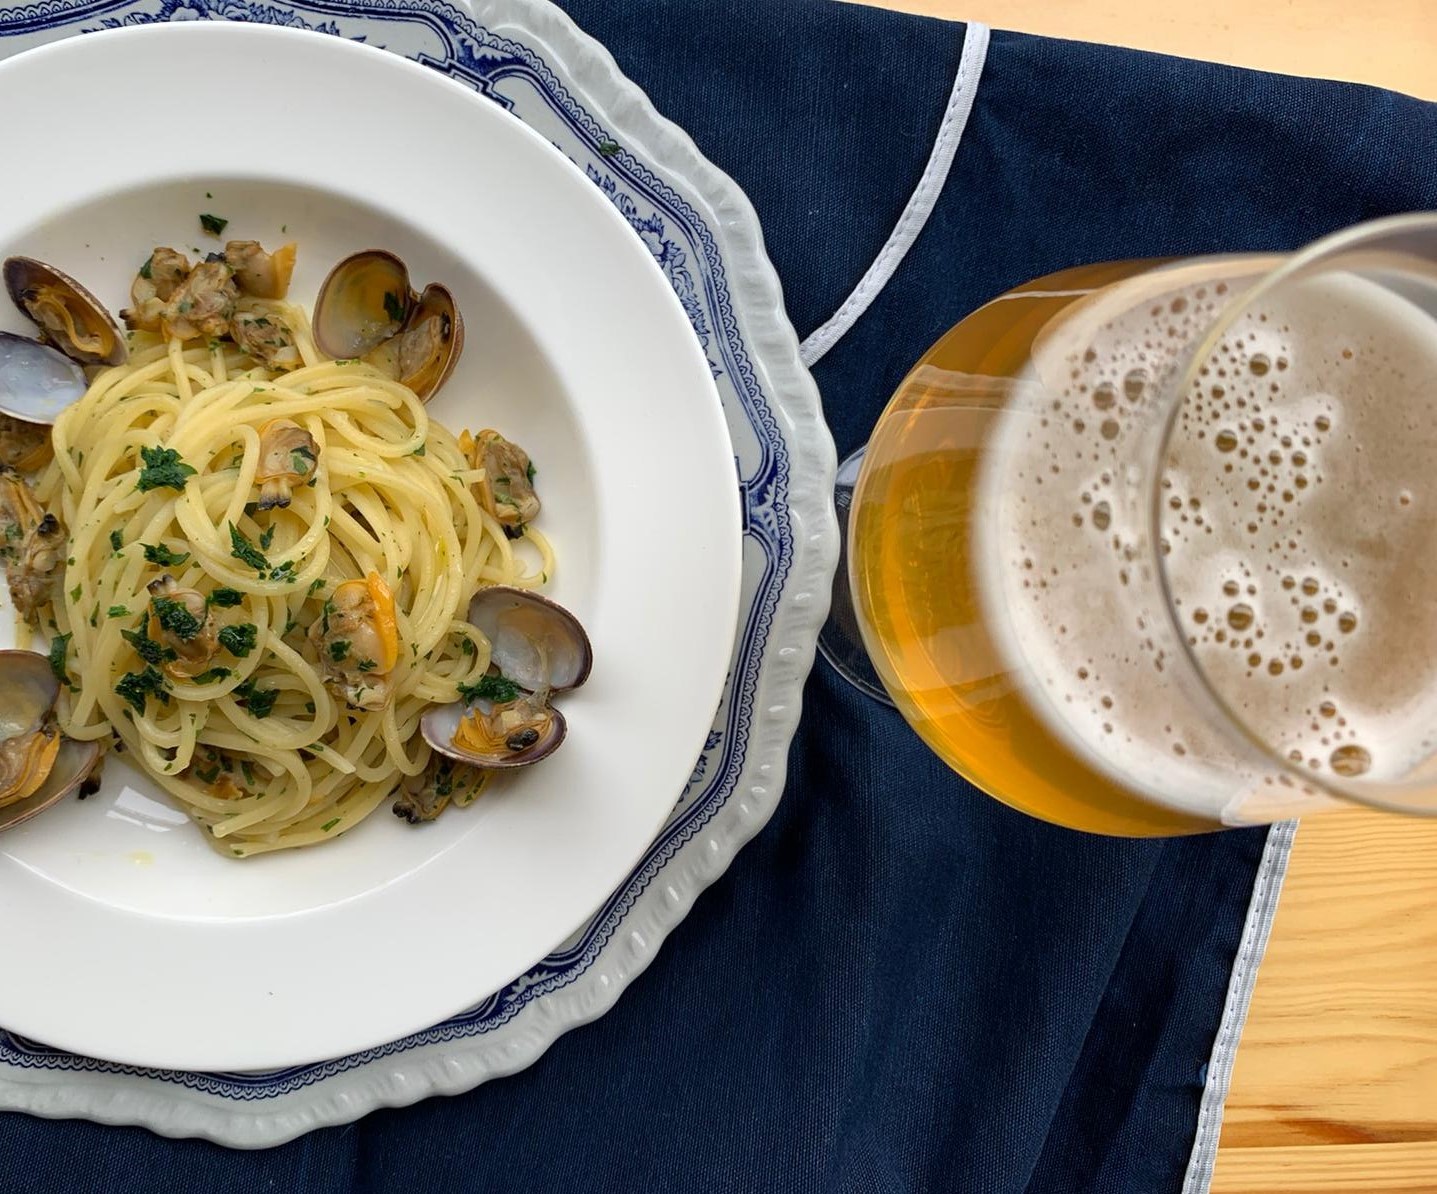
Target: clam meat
x,y
356,640
163,273
287,457
424,796
32,544
506,491
24,446
182,624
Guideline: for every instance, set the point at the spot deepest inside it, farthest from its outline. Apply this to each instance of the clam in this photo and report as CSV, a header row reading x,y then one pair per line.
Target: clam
x,y
424,796
368,309
36,381
535,642
69,315
38,765
538,649
356,640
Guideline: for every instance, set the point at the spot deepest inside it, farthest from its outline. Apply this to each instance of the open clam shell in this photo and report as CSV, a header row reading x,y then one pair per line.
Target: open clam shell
x,y
364,302
440,725
429,346
534,641
73,318
37,765
74,764
37,382
539,646
368,309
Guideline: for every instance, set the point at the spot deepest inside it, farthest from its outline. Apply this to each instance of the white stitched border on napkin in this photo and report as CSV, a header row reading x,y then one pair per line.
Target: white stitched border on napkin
x,y
1255,931
920,204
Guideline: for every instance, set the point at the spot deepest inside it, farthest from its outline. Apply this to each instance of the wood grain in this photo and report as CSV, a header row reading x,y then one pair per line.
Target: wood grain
x,y
1389,43
1335,1087
1370,1168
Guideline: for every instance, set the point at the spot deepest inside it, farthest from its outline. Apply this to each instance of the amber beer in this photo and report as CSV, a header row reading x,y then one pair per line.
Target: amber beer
x,y
1136,582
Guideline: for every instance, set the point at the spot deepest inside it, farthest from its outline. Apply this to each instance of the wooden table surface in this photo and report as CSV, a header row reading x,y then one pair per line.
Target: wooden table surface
x,y
1335,1087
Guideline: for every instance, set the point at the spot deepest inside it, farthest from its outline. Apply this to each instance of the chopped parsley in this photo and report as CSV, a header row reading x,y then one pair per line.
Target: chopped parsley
x,y
258,702
160,554
225,598
214,225
137,687
315,585
328,825
117,540
163,470
393,306
146,647
529,471
419,451
175,617
493,687
285,572
118,611
239,640
75,593
245,551
466,645
215,673
266,537
146,270
608,149
59,647
368,665
338,649
300,461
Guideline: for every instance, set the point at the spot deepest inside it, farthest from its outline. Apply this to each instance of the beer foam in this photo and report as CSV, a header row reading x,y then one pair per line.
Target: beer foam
x,y
1297,499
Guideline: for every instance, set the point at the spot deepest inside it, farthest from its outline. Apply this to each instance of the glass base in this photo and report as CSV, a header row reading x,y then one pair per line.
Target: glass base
x,y
840,641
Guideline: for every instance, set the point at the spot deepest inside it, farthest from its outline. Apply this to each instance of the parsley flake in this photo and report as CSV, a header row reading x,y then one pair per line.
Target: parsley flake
x,y
59,646
136,687
258,702
239,640
146,647
163,470
493,687
214,225
245,551
160,554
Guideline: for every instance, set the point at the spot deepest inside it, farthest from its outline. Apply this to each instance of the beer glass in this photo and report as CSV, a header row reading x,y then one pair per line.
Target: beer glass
x,y
1150,547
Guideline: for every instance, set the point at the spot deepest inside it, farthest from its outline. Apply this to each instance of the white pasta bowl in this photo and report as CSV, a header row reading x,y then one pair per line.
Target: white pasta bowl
x,y
127,937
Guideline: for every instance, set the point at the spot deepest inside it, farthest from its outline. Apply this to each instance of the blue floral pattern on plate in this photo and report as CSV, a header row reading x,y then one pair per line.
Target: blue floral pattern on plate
x,y
547,73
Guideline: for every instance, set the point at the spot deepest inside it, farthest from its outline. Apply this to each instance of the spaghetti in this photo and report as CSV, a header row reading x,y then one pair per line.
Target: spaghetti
x,y
155,474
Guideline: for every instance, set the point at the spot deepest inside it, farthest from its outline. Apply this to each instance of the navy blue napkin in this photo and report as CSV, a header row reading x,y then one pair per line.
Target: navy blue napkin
x,y
900,985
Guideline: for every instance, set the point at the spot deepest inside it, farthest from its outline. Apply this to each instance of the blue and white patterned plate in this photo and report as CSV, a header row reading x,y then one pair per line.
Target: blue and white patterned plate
x,y
529,57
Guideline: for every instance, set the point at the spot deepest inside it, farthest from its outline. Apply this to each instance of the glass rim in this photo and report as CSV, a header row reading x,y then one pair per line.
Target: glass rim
x,y
1369,793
